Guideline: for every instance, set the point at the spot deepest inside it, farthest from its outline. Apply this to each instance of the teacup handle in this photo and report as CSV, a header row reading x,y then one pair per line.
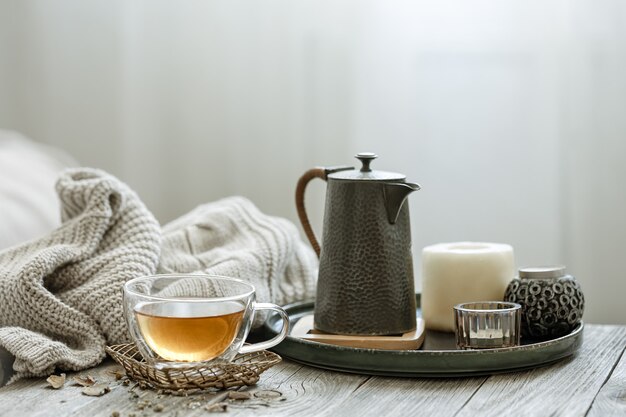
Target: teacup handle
x,y
276,339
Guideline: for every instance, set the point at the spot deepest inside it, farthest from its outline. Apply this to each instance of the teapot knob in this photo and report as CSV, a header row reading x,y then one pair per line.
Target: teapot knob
x,y
366,158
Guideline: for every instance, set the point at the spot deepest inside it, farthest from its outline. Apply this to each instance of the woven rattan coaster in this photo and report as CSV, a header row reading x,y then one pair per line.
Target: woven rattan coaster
x,y
243,370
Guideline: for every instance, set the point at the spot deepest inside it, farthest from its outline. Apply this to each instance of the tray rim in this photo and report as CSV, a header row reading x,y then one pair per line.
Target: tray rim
x,y
291,347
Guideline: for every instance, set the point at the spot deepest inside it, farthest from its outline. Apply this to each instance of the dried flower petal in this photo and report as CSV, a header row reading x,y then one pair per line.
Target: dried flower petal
x,y
239,395
117,373
84,381
268,394
217,408
56,381
96,390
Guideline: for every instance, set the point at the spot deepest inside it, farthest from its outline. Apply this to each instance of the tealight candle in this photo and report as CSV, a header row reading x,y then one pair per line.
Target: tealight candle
x,y
487,324
454,273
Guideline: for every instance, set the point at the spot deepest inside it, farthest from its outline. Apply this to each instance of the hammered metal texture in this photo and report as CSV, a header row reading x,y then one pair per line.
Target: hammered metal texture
x,y
365,284
550,307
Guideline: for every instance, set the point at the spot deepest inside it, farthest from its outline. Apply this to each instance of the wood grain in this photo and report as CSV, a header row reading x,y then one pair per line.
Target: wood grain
x,y
566,388
611,400
33,397
594,381
296,384
408,396
309,391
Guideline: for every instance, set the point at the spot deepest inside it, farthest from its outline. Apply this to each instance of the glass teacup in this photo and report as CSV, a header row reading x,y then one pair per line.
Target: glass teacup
x,y
188,319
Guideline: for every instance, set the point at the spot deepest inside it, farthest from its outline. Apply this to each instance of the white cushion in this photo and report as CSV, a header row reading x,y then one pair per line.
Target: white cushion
x,y
29,206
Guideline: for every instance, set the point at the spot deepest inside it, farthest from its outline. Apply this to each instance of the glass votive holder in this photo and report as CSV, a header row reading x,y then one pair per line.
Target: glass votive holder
x,y
487,324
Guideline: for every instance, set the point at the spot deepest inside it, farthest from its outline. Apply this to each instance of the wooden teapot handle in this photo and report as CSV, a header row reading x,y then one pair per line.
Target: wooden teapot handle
x,y
321,173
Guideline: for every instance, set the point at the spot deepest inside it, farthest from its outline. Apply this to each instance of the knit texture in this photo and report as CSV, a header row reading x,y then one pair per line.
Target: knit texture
x,y
231,237
61,295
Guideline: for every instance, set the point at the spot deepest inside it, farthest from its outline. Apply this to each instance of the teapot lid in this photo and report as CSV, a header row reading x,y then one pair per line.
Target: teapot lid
x,y
366,173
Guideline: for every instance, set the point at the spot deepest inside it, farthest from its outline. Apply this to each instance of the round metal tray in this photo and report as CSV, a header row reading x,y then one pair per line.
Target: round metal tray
x,y
438,357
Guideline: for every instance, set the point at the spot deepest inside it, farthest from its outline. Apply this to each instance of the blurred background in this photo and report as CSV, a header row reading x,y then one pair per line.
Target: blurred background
x,y
510,114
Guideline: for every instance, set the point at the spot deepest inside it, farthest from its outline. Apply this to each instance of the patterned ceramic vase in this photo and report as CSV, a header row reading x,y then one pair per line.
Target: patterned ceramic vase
x,y
552,301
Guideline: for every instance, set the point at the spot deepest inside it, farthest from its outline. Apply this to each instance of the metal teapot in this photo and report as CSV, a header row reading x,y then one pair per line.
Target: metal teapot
x,y
365,283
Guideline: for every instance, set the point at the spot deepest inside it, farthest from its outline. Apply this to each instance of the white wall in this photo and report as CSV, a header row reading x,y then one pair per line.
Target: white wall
x,y
510,114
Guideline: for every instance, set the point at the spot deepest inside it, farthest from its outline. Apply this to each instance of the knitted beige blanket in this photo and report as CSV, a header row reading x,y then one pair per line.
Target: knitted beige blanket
x,y
61,295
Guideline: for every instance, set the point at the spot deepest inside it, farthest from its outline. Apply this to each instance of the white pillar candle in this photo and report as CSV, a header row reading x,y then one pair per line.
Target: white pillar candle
x,y
454,273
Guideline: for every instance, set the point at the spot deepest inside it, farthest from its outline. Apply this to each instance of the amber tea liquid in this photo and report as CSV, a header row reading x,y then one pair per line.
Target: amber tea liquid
x,y
189,331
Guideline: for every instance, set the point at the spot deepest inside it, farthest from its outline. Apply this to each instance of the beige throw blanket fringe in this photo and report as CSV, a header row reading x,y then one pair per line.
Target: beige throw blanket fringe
x,y
60,295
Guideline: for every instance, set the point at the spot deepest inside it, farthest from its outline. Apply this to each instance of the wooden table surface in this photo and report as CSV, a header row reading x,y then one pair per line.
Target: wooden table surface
x,y
593,382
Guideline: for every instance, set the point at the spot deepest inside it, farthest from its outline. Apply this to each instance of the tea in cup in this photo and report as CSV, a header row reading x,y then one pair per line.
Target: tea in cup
x,y
186,319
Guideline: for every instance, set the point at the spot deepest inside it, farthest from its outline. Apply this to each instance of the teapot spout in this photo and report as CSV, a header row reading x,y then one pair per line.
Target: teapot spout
x,y
395,194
